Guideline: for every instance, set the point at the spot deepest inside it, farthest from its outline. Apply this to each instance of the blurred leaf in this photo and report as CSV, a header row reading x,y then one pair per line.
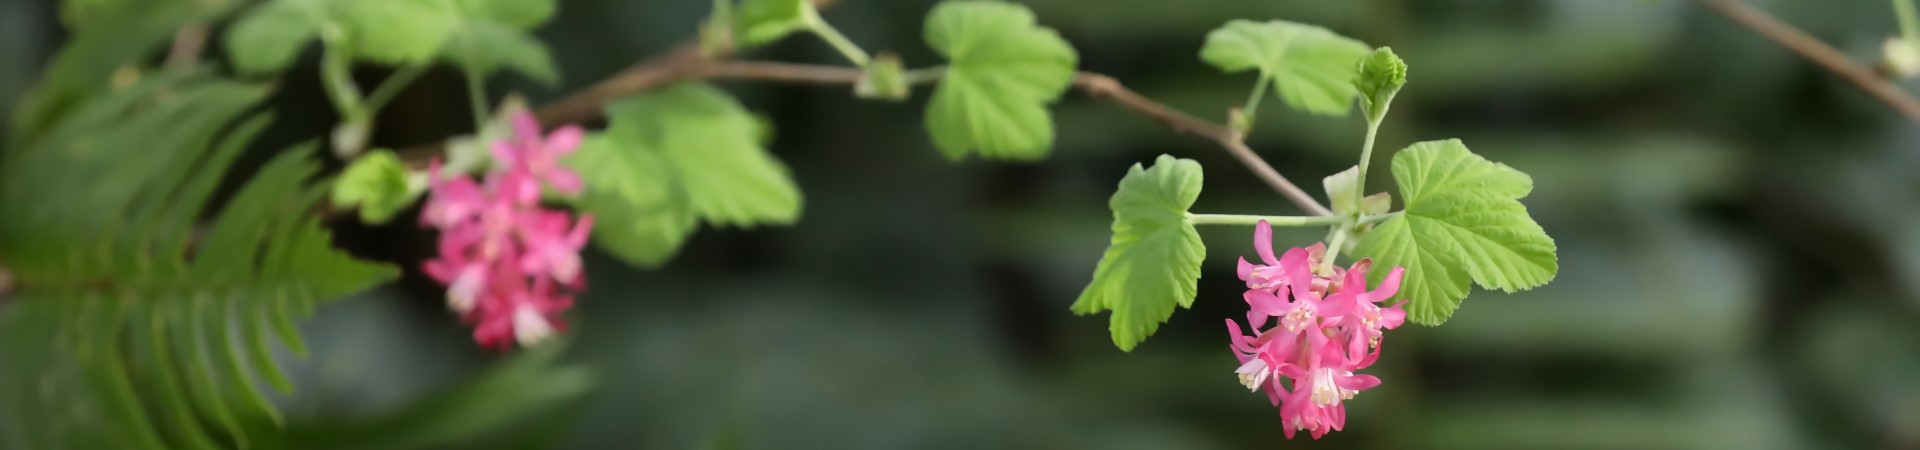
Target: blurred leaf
x,y
396,31
90,15
758,22
1154,260
1463,222
487,47
529,384
675,155
86,65
267,39
489,35
482,35
132,326
1003,70
1312,68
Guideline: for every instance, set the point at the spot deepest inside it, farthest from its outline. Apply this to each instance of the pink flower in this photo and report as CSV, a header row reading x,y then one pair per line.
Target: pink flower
x,y
509,264
1328,323
537,157
452,201
1319,387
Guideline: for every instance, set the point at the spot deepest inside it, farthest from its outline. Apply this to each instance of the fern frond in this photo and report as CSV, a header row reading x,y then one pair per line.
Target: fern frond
x,y
126,330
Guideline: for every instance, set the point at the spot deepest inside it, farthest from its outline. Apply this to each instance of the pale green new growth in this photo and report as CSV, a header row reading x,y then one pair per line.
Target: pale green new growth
x,y
1310,67
1381,74
1463,222
1154,260
378,185
1003,72
1343,192
672,157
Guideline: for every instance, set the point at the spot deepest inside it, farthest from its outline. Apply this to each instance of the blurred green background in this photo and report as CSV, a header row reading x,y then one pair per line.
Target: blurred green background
x,y
1739,235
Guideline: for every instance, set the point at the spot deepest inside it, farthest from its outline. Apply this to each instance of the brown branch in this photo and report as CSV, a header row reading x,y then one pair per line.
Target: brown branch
x,y
1819,53
1102,86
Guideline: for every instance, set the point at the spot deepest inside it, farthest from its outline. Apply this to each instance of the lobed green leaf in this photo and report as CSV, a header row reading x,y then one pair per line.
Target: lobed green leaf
x,y
675,156
1310,67
1003,71
1153,262
1463,223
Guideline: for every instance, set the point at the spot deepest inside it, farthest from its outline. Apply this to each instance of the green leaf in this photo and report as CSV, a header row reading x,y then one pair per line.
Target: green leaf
x,y
133,326
1311,67
378,185
488,35
1154,260
482,35
1002,73
93,15
673,156
531,383
758,22
487,47
268,38
521,14
99,61
396,31
1463,223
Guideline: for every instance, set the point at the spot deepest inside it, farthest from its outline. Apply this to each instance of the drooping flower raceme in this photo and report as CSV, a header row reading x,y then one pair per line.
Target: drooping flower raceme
x,y
1330,325
510,265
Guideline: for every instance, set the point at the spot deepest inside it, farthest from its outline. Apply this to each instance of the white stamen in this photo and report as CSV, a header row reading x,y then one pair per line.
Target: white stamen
x,y
1253,374
1325,392
530,327
465,290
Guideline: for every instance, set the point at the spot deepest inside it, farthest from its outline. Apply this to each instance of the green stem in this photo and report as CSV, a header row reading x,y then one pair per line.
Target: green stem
x,y
477,95
1333,250
1278,221
1909,23
839,42
391,87
1366,151
336,75
922,76
1259,92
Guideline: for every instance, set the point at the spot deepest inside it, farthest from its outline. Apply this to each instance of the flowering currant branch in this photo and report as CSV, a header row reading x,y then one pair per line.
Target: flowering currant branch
x,y
685,62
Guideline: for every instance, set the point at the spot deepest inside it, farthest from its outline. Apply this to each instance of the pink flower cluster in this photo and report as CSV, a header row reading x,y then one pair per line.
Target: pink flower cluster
x,y
510,266
1329,326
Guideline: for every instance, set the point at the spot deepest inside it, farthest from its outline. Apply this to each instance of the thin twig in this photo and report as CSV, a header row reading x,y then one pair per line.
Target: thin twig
x,y
1818,52
1102,86
187,44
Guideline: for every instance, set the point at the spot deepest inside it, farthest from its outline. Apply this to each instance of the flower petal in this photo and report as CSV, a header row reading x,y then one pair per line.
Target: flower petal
x,y
564,140
1356,382
1263,242
1388,286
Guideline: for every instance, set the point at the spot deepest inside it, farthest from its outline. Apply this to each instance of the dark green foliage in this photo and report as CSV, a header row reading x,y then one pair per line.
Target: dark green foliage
x,y
134,326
